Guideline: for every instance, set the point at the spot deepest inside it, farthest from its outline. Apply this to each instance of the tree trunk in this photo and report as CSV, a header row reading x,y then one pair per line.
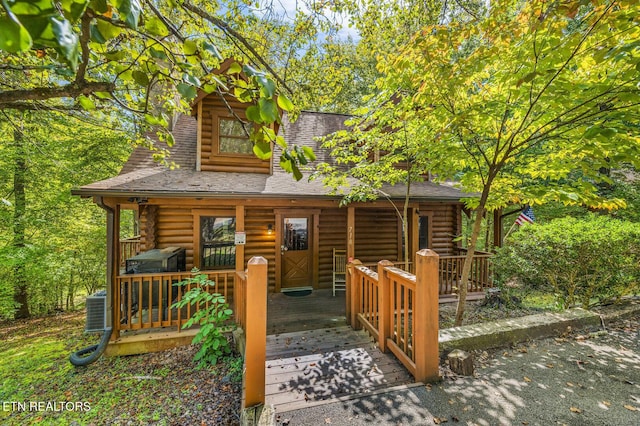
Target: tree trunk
x,y
20,295
471,249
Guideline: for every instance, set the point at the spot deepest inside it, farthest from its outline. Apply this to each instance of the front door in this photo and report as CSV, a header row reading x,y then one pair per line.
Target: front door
x,y
296,252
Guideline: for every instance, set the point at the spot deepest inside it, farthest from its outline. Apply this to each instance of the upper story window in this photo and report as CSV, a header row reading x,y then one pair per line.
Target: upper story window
x,y
233,136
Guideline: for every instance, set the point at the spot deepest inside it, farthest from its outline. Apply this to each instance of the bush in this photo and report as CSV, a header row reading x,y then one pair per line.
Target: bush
x,y
213,314
584,261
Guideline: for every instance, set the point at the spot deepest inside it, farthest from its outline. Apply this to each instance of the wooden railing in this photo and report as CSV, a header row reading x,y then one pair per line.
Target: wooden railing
x,y
146,300
129,247
450,272
403,318
240,299
364,292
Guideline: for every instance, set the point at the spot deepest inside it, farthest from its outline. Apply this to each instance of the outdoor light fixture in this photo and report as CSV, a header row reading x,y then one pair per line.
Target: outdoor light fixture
x,y
269,229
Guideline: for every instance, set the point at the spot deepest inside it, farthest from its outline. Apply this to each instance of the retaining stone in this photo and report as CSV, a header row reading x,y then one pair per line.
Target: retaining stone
x,y
510,331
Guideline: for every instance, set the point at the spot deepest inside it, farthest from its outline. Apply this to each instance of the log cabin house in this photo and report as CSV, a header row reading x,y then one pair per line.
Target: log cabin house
x,y
223,206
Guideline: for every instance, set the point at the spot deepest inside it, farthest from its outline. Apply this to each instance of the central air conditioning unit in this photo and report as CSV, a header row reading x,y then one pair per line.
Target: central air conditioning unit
x,y
96,312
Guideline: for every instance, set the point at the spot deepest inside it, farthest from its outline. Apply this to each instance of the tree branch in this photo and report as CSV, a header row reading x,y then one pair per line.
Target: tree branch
x,y
71,90
85,33
236,35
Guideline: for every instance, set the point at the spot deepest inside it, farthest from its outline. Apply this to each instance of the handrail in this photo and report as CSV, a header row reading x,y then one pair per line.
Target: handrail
x,y
129,247
399,310
146,300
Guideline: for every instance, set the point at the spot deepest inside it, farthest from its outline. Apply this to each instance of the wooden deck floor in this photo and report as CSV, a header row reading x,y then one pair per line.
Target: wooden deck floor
x,y
317,366
319,309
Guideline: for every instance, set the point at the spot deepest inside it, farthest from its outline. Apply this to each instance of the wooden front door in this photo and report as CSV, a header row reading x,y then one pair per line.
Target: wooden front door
x,y
296,251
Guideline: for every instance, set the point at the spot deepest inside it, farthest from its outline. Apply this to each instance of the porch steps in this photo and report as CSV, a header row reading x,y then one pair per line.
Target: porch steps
x,y
314,367
151,340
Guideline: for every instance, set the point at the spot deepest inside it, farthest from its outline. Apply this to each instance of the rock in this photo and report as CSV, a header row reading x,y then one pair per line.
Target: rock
x,y
461,362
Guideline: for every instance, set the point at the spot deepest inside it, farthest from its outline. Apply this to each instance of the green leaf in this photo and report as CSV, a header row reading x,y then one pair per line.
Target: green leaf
x,y
235,68
253,114
157,53
286,164
189,47
251,71
14,37
96,36
73,9
190,79
297,174
86,103
212,49
141,78
268,110
99,6
285,103
130,11
267,87
68,44
107,30
281,142
187,91
262,150
156,27
308,151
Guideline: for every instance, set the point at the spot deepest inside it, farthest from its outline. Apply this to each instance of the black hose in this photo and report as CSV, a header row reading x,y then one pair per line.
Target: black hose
x,y
92,353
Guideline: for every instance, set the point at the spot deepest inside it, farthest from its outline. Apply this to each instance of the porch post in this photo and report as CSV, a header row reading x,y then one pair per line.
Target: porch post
x,y
426,316
384,306
497,228
256,332
353,295
239,228
351,233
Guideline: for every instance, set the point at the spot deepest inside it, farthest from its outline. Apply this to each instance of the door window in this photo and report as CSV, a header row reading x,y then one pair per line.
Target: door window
x,y
296,234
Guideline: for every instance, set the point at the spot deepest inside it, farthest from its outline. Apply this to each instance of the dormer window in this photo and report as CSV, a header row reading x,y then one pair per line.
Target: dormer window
x,y
233,136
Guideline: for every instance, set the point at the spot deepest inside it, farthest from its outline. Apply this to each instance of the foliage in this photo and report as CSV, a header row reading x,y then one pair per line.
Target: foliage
x,y
526,105
150,58
589,260
212,315
155,388
64,254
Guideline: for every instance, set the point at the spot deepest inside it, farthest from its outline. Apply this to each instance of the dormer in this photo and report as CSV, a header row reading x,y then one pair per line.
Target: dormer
x,y
223,143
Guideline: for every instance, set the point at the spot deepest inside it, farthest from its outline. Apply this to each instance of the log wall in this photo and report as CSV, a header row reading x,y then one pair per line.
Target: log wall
x,y
376,231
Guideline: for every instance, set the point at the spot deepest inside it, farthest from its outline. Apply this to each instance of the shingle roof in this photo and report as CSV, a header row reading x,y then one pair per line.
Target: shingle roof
x,y
141,176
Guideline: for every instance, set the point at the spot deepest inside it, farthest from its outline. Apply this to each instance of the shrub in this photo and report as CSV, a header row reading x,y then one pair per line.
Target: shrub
x,y
582,261
214,312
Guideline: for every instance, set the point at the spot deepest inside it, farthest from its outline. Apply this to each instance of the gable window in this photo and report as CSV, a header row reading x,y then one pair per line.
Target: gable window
x,y
233,136
217,242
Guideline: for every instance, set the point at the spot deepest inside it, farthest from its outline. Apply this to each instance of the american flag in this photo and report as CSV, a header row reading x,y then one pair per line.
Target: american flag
x,y
526,216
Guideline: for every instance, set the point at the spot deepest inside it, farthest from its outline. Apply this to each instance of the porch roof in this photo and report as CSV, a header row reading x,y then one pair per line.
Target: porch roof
x,y
143,177
157,181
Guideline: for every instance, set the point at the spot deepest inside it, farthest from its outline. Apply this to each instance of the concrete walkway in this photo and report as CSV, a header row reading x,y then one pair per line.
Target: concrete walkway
x,y
576,379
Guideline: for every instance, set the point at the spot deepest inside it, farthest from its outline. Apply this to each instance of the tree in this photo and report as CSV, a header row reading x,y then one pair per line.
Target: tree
x,y
149,58
524,106
50,241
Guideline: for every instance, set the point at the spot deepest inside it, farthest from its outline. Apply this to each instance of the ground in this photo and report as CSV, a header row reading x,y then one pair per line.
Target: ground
x,y
580,378
160,388
163,388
